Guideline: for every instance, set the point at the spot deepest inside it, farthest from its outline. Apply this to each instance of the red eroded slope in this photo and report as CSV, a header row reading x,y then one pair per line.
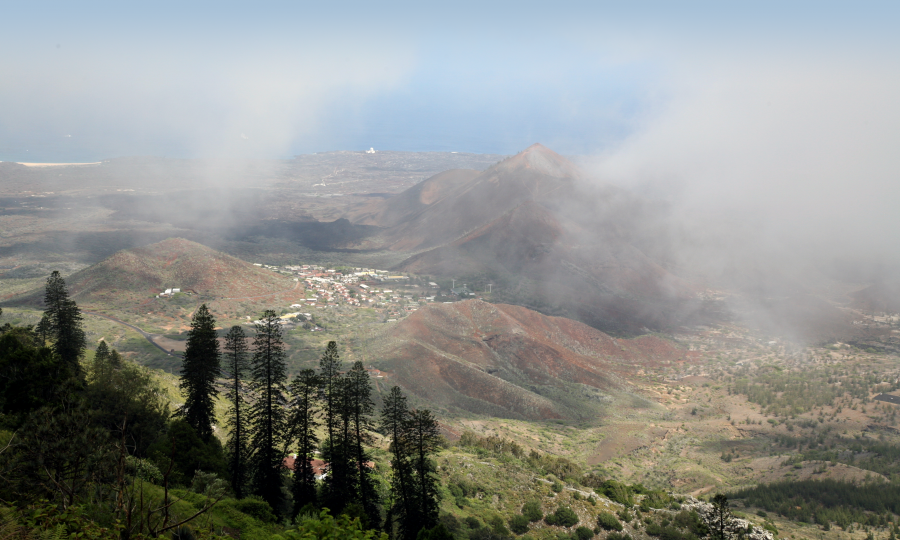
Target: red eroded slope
x,y
172,263
502,359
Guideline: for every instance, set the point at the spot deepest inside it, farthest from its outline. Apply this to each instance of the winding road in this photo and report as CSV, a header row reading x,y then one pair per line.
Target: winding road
x,y
147,335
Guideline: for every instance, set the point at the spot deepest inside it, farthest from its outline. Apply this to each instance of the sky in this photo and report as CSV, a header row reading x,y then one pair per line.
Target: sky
x,y
775,116
100,80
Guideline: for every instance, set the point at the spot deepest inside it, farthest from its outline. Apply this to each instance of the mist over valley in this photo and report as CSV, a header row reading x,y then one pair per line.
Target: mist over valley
x,y
468,272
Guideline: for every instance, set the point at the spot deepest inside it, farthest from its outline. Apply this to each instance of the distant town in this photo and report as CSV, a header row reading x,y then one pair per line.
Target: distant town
x,y
393,295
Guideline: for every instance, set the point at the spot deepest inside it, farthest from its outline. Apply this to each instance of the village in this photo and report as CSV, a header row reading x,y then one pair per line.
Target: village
x,y
393,296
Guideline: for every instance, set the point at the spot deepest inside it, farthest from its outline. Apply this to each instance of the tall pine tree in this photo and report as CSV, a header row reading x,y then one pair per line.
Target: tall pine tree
x,y
360,411
414,485
101,365
424,440
199,370
267,414
237,448
304,420
336,491
64,323
394,424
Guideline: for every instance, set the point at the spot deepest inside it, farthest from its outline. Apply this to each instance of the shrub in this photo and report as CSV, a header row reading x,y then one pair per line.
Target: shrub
x,y
618,536
608,521
326,526
583,533
625,515
532,511
257,508
657,499
519,524
564,517
438,532
472,522
618,492
498,527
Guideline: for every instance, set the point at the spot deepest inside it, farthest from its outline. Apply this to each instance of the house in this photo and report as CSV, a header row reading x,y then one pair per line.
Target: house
x,y
462,291
320,468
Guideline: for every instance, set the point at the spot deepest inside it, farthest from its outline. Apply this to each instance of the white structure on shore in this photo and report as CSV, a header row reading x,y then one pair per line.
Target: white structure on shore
x,y
370,151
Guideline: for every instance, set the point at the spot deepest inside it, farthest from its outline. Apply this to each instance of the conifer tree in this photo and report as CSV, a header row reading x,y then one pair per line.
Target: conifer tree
x,y
115,359
267,414
100,365
304,419
414,485
237,449
394,424
64,323
424,440
42,331
359,411
336,491
200,368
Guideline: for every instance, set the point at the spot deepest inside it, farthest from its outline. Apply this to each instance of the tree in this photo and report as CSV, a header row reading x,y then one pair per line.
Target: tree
x,y
519,524
720,520
267,414
360,410
237,449
100,365
394,424
424,441
336,492
532,510
191,454
304,413
199,370
42,331
30,376
64,323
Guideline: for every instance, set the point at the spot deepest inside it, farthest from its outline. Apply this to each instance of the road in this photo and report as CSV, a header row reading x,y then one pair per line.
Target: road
x,y
148,336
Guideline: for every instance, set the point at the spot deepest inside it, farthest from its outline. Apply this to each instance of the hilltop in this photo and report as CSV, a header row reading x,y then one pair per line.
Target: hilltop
x,y
133,276
551,239
512,362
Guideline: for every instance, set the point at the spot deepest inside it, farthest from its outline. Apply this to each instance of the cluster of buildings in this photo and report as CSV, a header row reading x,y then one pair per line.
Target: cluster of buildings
x,y
330,291
168,293
362,287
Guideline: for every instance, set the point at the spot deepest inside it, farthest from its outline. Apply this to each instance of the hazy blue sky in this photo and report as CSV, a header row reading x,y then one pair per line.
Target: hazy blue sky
x,y
83,81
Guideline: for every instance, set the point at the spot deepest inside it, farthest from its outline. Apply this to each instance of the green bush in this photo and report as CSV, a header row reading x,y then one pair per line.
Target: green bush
x,y
564,517
618,536
326,526
618,492
532,511
438,532
657,499
584,533
608,521
257,508
519,524
498,527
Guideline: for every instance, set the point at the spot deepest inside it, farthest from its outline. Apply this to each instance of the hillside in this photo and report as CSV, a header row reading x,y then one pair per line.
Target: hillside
x,y
403,207
545,235
134,275
511,362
